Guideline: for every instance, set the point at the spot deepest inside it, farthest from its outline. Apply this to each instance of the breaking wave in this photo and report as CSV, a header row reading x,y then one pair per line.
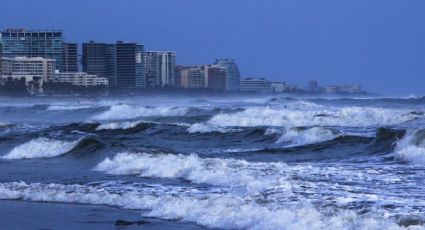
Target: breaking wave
x,y
411,147
46,148
214,171
215,210
305,136
282,117
118,112
68,107
119,125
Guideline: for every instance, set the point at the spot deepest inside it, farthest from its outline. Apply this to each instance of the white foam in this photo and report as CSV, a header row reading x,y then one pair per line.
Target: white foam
x,y
300,137
212,210
215,171
207,128
283,117
119,125
67,107
40,148
117,112
412,147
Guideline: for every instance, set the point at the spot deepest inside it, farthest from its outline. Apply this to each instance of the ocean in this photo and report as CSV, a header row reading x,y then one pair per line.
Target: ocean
x,y
264,162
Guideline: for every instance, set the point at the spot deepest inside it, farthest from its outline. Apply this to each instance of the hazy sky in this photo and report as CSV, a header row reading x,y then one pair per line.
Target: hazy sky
x,y
379,44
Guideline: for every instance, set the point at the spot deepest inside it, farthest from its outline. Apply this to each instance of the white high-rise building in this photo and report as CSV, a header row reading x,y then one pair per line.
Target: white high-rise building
x,y
160,68
232,73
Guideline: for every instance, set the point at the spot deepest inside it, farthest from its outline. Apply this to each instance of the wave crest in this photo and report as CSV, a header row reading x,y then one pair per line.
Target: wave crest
x,y
411,147
118,112
283,117
305,136
215,171
47,148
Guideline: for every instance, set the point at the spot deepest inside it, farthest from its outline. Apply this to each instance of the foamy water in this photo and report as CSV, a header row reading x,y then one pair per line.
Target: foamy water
x,y
41,148
241,163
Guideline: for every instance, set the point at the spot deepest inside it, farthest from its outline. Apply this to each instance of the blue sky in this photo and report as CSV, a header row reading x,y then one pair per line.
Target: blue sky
x,y
377,43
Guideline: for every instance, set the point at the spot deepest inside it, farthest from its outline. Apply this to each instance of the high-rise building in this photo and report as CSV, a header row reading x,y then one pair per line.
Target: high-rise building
x,y
216,77
192,77
70,57
1,55
232,73
122,63
160,68
28,43
129,65
93,60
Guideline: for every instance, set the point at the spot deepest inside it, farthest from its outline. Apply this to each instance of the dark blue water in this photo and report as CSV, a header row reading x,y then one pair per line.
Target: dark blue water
x,y
195,163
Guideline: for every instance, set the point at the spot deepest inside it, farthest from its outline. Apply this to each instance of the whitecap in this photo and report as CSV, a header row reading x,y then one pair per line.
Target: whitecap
x,y
411,148
299,137
284,117
118,112
215,171
213,210
41,148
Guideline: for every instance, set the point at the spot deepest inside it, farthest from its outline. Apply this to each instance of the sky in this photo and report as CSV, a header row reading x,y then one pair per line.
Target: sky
x,y
379,44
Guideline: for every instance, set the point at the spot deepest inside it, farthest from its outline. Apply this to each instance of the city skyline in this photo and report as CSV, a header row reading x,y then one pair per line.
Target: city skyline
x,y
292,41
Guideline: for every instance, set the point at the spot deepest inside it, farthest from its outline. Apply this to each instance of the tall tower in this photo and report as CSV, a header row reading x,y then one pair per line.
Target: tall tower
x,y
232,73
160,68
31,43
70,57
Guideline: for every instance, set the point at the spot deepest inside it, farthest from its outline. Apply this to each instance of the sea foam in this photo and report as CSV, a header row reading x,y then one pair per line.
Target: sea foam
x,y
117,112
411,148
284,117
300,137
214,171
41,148
214,210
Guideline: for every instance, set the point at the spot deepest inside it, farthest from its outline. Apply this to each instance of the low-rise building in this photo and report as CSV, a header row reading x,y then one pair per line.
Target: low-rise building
x,y
34,71
260,85
35,66
81,79
278,87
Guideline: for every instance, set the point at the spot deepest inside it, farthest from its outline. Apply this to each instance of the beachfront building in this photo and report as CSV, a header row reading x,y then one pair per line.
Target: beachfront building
x,y
34,71
81,79
33,43
215,77
70,57
160,68
260,85
232,73
121,63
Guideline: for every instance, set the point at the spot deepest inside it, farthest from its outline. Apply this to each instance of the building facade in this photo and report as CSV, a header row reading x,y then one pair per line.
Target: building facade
x,y
28,43
192,77
260,85
232,73
70,57
81,79
1,56
129,65
278,86
215,77
34,71
160,68
36,66
121,63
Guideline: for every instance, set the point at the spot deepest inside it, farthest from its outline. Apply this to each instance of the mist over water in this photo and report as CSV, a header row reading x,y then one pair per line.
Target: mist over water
x,y
232,163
